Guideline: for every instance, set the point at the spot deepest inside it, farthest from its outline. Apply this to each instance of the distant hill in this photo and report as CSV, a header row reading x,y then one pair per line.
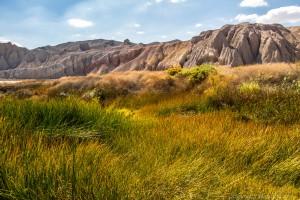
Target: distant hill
x,y
233,45
296,31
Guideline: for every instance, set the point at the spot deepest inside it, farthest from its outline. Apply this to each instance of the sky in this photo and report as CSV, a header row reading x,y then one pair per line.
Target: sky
x,y
36,23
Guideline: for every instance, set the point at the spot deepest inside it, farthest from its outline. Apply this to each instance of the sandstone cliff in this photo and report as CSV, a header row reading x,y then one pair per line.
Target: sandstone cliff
x,y
233,45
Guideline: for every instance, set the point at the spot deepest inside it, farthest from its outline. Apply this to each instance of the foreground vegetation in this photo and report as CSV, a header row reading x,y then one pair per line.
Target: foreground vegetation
x,y
193,134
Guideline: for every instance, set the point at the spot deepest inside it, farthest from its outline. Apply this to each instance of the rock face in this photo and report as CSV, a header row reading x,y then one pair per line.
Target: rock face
x,y
295,30
244,44
233,45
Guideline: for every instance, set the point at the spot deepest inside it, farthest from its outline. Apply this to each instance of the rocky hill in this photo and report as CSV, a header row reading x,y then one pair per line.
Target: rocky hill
x,y
296,31
233,45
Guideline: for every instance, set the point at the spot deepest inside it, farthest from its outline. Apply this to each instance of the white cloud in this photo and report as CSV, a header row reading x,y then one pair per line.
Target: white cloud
x,y
177,1
288,14
198,25
140,32
80,23
6,40
145,6
164,36
246,18
253,3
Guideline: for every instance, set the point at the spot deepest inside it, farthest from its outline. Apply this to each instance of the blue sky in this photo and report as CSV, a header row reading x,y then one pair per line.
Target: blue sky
x,y
34,23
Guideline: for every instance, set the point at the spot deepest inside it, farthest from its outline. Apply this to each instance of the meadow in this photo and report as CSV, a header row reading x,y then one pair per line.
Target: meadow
x,y
202,133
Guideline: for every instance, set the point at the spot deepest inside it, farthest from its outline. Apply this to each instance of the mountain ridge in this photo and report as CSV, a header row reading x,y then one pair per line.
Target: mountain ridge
x,y
233,45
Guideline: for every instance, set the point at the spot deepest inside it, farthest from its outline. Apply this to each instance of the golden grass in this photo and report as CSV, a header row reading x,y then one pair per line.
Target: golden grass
x,y
156,82
265,71
138,81
133,82
73,83
201,155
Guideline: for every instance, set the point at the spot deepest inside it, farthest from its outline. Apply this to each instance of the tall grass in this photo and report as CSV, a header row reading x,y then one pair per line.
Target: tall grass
x,y
208,155
224,140
48,149
58,115
115,83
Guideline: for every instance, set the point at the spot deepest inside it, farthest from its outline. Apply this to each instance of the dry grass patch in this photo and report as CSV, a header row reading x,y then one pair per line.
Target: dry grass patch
x,y
138,81
273,73
78,83
128,82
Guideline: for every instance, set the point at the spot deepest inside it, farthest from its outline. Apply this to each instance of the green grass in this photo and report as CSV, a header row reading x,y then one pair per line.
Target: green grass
x,y
223,144
197,74
59,116
48,149
262,106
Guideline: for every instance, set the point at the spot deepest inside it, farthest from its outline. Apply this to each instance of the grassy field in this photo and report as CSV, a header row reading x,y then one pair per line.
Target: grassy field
x,y
223,134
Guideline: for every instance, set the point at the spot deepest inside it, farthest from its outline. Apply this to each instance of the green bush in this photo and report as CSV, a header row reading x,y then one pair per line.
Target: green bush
x,y
197,74
174,70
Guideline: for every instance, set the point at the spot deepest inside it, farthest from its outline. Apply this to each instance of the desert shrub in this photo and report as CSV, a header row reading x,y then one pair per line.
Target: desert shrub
x,y
197,74
174,70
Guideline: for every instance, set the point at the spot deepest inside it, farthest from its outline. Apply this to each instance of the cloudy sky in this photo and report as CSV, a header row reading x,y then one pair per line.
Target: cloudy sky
x,y
34,23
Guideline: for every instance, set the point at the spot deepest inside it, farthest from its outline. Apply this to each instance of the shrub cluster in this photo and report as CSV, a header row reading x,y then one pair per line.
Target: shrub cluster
x,y
174,70
194,75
